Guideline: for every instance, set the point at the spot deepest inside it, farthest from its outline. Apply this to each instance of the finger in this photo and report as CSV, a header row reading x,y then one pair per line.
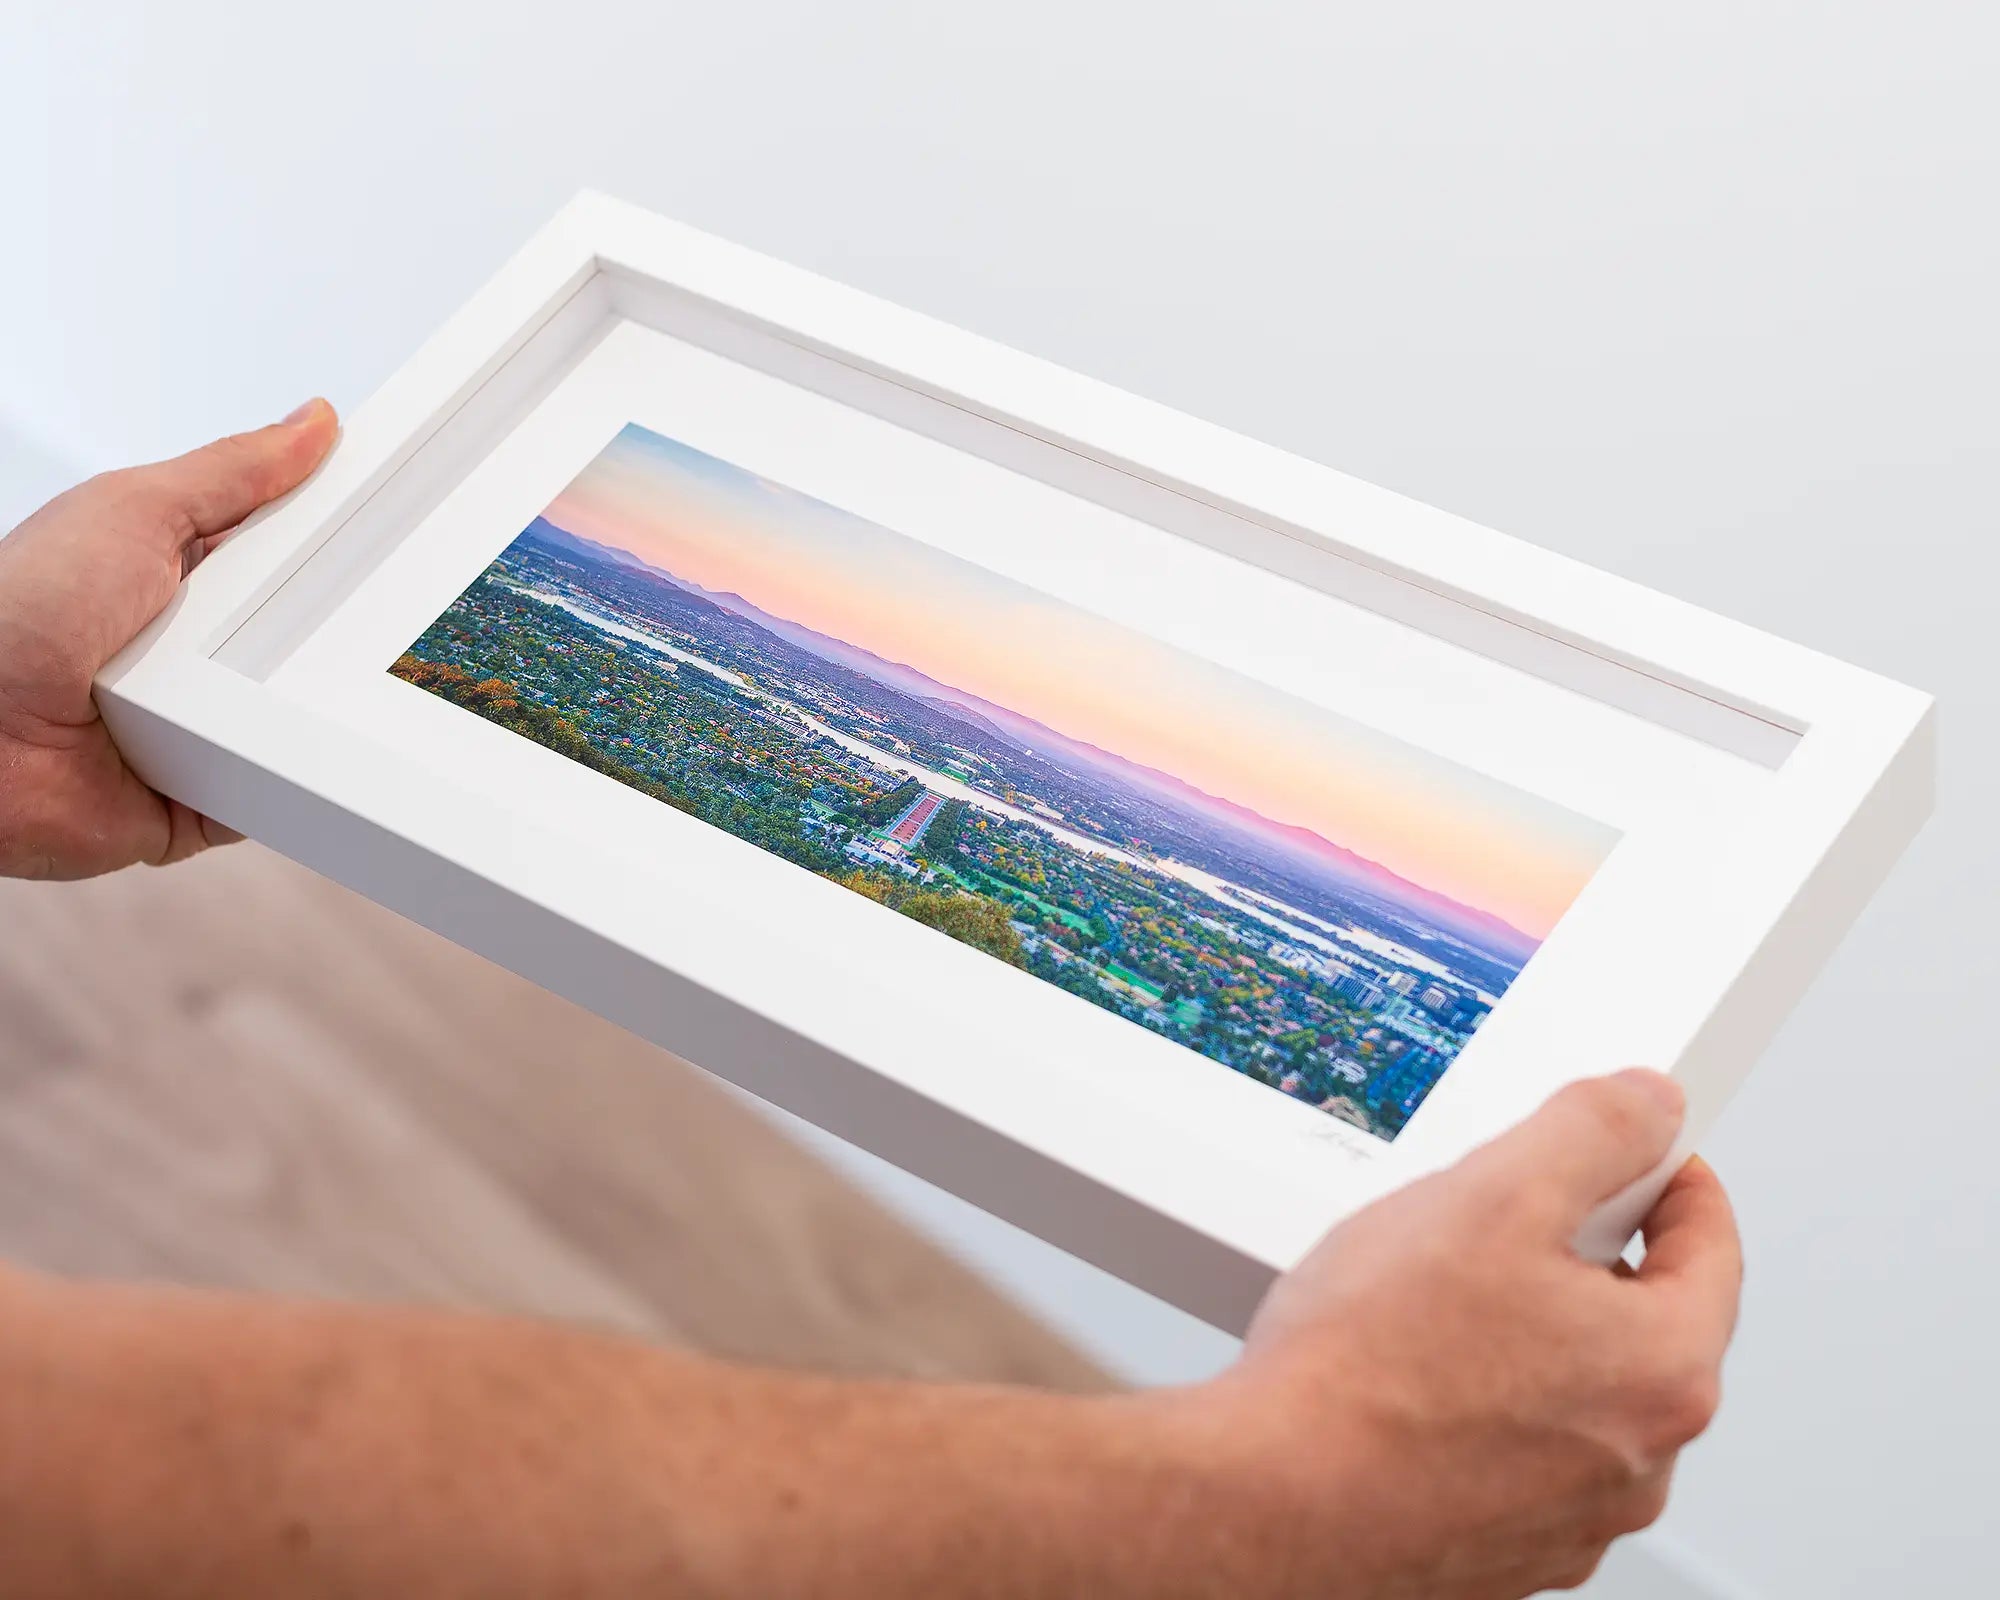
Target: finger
x,y
1630,1506
87,814
1589,1141
208,491
215,833
1693,1248
185,835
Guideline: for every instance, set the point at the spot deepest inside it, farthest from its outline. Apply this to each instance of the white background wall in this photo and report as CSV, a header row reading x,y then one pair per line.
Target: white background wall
x,y
1701,294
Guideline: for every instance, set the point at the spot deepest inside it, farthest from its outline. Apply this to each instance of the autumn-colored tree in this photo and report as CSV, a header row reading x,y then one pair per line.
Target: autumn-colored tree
x,y
969,918
866,883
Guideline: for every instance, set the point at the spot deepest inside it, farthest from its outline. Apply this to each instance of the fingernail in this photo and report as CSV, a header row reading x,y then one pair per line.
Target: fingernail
x,y
302,412
1661,1087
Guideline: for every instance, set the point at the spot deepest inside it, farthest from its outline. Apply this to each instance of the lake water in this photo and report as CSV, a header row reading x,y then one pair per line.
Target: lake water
x,y
1343,943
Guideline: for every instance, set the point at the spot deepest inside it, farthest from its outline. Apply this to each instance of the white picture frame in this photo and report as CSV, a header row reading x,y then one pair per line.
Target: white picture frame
x,y
1761,791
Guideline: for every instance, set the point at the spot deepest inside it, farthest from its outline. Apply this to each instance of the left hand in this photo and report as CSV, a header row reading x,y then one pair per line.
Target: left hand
x,y
78,580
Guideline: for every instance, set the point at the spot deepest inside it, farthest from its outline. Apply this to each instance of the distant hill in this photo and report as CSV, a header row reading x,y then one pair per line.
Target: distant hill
x,y
561,540
959,711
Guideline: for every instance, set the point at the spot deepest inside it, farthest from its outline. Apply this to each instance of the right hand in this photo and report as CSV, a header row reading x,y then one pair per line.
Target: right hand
x,y
1444,1400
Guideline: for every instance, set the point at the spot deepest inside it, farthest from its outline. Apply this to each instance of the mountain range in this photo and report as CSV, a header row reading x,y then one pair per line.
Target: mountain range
x,y
1307,848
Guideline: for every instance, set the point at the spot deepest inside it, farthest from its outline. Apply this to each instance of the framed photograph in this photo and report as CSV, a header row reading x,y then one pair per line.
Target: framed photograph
x,y
1161,841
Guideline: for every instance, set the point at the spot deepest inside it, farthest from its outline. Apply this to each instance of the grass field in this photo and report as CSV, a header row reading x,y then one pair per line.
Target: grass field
x,y
1133,980
982,884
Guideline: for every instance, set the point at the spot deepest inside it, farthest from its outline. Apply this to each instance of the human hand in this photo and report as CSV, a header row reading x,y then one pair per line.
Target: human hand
x,y
78,580
1444,1400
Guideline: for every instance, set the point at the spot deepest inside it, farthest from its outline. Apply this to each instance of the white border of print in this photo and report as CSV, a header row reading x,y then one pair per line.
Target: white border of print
x,y
248,700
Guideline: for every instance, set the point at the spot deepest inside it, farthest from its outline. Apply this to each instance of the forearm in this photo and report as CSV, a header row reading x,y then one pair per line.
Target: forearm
x,y
159,1443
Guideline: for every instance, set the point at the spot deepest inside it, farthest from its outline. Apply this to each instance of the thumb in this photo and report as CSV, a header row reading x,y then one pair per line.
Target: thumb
x,y
208,491
1590,1140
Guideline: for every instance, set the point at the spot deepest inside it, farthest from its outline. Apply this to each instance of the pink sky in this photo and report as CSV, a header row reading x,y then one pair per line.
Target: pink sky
x,y
1485,844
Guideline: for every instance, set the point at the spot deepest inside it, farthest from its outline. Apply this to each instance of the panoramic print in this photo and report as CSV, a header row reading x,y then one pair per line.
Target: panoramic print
x,y
1299,898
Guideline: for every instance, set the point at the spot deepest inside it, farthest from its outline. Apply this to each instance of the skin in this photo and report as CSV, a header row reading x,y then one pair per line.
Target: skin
x,y
1442,1401
77,580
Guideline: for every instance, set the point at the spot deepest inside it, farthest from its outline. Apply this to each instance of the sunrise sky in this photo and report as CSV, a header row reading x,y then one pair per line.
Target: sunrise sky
x,y
1485,844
